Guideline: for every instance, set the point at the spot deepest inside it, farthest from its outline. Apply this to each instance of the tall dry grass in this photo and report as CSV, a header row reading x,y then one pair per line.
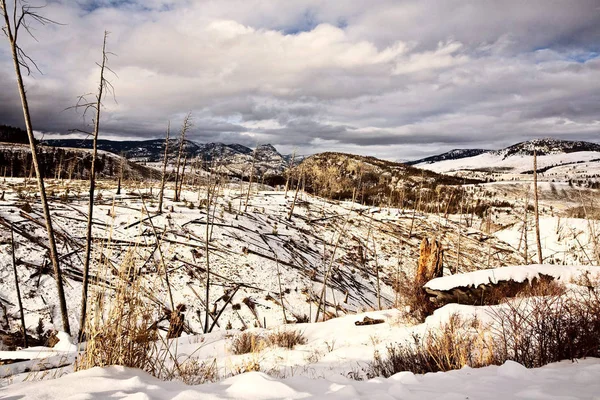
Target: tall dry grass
x,y
540,326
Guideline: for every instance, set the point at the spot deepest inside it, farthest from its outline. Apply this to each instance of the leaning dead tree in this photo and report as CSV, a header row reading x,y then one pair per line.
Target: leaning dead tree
x,y
15,21
103,87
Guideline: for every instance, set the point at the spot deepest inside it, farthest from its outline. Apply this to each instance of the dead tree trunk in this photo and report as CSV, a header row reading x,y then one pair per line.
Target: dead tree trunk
x,y
251,176
88,238
430,262
525,227
182,177
20,60
184,128
289,173
207,250
14,263
294,201
537,210
164,170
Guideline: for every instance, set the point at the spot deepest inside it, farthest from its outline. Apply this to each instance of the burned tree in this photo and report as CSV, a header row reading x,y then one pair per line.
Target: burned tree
x,y
103,87
15,22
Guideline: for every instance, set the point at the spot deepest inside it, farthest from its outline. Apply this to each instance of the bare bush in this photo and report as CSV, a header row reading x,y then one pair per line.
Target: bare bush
x,y
412,299
542,325
196,372
538,330
286,338
457,343
247,342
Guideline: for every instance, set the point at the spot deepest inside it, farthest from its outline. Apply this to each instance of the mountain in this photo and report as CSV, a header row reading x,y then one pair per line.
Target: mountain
x,y
547,146
455,154
558,159
136,150
231,159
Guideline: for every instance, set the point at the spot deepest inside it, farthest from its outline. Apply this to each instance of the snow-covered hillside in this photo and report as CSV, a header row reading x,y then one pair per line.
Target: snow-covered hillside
x,y
559,160
361,250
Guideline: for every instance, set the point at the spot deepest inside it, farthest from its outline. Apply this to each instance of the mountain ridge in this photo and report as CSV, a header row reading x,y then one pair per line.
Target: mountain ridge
x,y
544,146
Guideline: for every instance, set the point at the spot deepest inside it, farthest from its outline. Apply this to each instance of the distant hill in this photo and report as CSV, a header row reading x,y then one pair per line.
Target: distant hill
x,y
558,158
547,146
68,163
140,150
10,134
450,155
372,180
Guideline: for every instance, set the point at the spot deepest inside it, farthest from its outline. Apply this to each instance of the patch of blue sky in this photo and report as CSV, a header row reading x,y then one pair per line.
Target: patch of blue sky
x,y
92,5
582,57
307,22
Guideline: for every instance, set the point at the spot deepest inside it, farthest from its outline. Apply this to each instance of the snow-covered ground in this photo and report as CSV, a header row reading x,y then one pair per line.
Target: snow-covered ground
x,y
515,273
248,249
358,250
331,365
559,381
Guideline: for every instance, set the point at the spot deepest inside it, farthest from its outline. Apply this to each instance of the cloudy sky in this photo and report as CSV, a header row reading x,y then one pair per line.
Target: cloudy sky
x,y
391,78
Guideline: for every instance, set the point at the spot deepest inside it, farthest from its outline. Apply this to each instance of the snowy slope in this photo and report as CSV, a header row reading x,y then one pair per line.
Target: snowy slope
x,y
248,250
514,163
559,381
561,160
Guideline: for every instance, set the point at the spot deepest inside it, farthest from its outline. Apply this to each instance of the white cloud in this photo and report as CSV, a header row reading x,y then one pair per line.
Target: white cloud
x,y
322,75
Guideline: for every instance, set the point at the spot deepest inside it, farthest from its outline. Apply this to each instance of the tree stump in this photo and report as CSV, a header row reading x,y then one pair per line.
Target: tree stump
x,y
430,264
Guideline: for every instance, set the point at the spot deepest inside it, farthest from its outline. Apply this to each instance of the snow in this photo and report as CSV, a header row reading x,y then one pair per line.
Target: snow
x,y
513,163
40,358
517,273
564,380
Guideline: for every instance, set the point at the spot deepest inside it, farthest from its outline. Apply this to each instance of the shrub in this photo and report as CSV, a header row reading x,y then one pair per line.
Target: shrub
x,y
546,327
247,342
196,372
286,338
456,344
413,299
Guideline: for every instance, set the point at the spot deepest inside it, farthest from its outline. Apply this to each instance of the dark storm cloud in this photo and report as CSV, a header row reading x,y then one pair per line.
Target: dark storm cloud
x,y
392,78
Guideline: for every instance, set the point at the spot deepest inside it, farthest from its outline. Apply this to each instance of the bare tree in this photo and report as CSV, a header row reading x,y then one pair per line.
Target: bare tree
x,y
187,124
210,197
182,176
289,172
12,28
251,176
164,170
537,209
14,264
289,218
103,86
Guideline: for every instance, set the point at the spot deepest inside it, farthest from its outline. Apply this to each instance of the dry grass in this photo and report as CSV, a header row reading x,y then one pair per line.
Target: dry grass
x,y
456,344
413,300
542,325
247,342
286,338
120,328
250,342
197,372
